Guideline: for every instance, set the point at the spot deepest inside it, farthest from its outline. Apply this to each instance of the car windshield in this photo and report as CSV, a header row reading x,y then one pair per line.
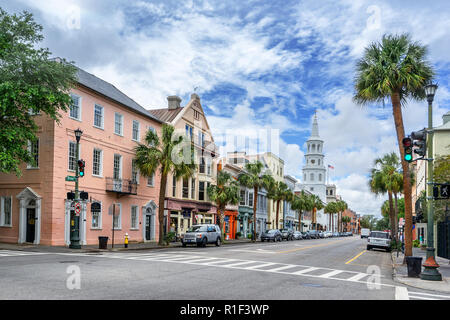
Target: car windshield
x,y
197,229
382,235
271,231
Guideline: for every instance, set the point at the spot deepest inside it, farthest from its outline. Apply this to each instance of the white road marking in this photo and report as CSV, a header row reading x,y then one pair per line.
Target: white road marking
x,y
12,253
260,266
401,293
330,274
422,298
282,268
427,294
305,270
358,277
238,264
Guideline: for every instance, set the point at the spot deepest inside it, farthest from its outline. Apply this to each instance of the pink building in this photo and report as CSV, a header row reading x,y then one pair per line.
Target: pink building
x,y
34,208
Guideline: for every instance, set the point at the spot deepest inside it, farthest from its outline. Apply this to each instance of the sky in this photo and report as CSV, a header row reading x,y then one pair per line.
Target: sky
x,y
257,65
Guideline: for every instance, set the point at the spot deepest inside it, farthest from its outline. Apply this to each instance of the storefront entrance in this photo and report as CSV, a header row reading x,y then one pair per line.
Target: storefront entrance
x,y
31,225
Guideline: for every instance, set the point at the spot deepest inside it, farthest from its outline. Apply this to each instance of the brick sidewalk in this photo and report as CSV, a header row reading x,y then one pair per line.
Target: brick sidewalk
x,y
401,272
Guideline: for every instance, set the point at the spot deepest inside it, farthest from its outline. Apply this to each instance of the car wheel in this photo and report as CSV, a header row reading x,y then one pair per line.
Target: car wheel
x,y
262,240
369,247
274,239
218,242
183,244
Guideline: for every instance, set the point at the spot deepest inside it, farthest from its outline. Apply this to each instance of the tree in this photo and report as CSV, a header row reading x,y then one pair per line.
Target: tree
x,y
331,208
394,69
300,203
225,192
346,220
341,206
279,191
255,179
171,154
30,83
315,204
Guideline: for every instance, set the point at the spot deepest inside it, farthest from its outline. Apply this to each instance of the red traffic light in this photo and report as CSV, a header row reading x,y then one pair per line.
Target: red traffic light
x,y
407,142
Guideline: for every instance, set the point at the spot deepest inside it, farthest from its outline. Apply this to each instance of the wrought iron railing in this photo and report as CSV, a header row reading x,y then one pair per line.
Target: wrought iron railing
x,y
123,186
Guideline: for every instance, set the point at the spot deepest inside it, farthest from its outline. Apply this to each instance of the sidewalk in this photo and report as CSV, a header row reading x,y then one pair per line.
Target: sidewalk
x,y
94,248
401,272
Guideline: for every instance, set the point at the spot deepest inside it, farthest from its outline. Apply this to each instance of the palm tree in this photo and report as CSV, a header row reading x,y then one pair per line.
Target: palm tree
x,y
341,206
254,178
278,191
331,209
316,204
162,154
225,192
299,204
395,69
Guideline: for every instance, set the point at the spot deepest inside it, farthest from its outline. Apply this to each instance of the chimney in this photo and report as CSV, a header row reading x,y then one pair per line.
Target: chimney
x,y
174,102
446,117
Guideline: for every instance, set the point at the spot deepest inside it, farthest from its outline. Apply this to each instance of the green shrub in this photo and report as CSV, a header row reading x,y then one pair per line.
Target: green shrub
x,y
416,243
238,235
169,237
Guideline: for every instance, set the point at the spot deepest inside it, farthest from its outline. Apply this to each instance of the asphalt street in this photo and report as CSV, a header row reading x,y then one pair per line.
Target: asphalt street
x,y
317,269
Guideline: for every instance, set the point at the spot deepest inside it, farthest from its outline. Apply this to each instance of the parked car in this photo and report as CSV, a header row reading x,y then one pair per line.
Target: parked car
x,y
335,234
328,234
201,235
306,235
287,234
271,235
298,235
321,234
314,234
380,240
365,232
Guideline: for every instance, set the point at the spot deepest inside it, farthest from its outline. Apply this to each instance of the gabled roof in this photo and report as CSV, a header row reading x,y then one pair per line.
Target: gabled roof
x,y
108,90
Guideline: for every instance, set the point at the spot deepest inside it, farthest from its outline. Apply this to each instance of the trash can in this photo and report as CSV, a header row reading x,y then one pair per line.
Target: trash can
x,y
414,265
103,242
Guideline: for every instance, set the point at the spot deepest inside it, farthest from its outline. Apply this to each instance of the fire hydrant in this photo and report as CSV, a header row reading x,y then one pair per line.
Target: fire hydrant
x,y
126,240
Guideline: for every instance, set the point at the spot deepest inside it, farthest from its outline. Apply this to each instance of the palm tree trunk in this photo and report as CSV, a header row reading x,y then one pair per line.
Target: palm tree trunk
x,y
221,221
278,208
255,199
300,220
396,212
162,196
392,215
398,119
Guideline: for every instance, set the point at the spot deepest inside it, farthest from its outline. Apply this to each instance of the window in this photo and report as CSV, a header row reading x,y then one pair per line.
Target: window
x,y
185,188
189,132
5,211
201,138
118,124
250,199
75,107
311,177
242,198
136,130
96,218
304,177
151,181
174,186
33,148
98,116
319,162
196,114
134,217
320,177
331,192
72,156
193,188
117,171
118,217
208,184
202,165
201,190
97,163
152,130
134,172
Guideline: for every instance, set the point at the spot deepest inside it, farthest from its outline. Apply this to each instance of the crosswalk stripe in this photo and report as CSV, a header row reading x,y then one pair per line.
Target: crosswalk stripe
x,y
218,261
429,294
422,298
197,259
282,268
239,263
260,266
305,270
330,274
358,277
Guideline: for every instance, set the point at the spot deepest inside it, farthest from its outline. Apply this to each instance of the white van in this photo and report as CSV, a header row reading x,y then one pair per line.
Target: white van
x,y
365,232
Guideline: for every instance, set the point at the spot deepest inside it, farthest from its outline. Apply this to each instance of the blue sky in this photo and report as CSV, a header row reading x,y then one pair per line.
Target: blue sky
x,y
257,65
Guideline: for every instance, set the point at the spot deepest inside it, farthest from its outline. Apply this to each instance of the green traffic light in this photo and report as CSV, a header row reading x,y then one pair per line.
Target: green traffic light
x,y
408,157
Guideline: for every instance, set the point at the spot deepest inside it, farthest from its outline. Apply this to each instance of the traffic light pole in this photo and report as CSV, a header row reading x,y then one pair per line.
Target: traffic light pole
x,y
74,219
430,272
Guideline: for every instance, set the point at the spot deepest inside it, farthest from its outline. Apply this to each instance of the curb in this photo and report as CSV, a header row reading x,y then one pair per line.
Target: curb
x,y
396,278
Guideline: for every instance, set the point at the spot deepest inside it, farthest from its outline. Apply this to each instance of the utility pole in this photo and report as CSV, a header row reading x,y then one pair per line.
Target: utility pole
x,y
74,217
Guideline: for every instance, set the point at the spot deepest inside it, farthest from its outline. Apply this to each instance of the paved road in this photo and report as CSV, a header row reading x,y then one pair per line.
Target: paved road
x,y
336,268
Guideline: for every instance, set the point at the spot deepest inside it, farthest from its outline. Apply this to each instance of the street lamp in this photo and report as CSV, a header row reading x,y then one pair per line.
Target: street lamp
x,y
74,218
430,271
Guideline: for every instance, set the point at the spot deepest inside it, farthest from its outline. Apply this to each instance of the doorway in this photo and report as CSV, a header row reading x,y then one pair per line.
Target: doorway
x,y
31,225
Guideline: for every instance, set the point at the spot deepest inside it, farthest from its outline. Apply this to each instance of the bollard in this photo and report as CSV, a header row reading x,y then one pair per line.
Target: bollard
x,y
126,240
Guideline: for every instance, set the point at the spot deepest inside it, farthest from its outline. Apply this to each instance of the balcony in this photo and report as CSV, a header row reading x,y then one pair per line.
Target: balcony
x,y
121,186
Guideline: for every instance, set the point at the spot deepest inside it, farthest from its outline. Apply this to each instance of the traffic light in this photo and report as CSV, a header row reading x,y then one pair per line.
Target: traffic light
x,y
420,141
407,148
445,191
81,168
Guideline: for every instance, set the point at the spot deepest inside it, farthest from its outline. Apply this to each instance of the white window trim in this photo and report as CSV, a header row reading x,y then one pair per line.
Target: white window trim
x,y
137,217
138,174
121,124
29,150
100,214
138,131
68,155
2,212
153,181
120,165
100,175
103,117
79,107
119,221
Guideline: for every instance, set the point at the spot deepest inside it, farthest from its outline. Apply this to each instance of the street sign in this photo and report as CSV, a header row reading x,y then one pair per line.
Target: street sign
x,y
71,178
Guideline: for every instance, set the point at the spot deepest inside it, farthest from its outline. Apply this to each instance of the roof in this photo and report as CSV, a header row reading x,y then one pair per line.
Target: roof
x,y
165,114
108,90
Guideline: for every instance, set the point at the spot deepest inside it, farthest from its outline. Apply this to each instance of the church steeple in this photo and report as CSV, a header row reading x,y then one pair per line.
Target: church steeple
x,y
315,126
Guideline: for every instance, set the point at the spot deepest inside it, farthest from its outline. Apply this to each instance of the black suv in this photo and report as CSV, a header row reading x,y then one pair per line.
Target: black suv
x,y
287,234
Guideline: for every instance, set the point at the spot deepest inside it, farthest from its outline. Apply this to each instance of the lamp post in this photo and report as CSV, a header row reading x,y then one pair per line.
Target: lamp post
x,y
74,219
430,272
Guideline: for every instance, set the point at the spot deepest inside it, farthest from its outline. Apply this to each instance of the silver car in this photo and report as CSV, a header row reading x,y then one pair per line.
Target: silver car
x,y
380,240
201,235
